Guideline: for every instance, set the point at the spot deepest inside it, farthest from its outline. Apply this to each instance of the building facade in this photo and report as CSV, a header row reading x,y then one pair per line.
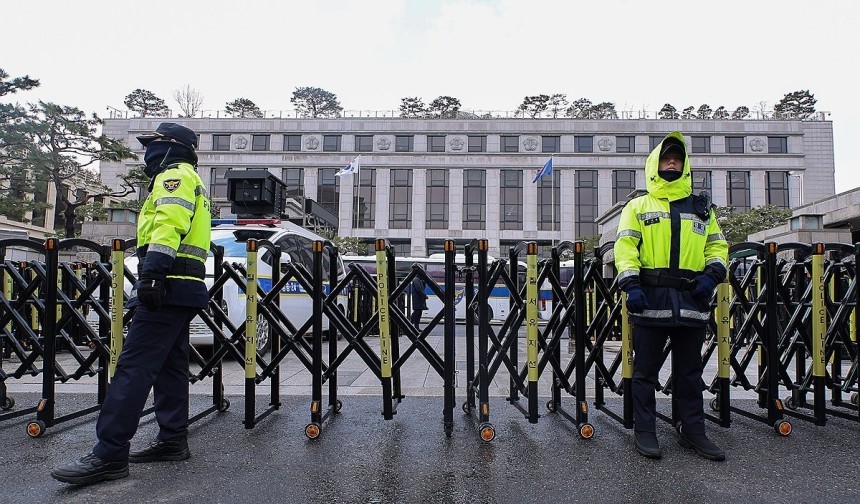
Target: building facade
x,y
423,181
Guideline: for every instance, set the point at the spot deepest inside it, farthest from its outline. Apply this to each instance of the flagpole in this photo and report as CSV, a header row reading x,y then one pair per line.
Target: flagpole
x,y
552,196
357,196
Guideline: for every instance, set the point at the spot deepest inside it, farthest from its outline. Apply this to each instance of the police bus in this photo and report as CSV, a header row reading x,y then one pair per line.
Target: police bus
x,y
498,304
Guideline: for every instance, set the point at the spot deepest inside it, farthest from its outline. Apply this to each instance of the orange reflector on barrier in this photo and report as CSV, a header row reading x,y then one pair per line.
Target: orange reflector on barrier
x,y
379,245
449,245
583,406
488,434
587,431
771,247
784,428
485,409
483,245
315,406
318,246
778,404
577,247
41,405
819,248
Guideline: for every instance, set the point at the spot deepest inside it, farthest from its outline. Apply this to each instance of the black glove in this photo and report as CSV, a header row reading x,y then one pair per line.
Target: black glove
x,y
704,288
149,292
636,300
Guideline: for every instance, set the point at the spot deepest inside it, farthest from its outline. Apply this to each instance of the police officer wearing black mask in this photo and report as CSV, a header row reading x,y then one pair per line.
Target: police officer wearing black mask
x,y
173,235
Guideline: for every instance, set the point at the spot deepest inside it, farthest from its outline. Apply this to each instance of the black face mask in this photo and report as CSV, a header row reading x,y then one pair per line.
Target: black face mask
x,y
161,154
670,175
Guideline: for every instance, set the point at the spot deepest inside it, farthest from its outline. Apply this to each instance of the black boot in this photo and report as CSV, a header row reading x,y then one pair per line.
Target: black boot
x,y
647,445
159,451
90,469
702,445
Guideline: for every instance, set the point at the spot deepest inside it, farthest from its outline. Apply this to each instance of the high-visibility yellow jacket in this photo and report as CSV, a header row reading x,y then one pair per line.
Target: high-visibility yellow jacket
x,y
672,233
173,233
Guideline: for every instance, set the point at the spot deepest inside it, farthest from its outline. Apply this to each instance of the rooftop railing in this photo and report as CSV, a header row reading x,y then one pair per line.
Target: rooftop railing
x,y
114,113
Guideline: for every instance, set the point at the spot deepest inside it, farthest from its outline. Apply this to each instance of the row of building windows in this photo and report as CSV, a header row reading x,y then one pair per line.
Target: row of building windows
x,y
510,195
507,143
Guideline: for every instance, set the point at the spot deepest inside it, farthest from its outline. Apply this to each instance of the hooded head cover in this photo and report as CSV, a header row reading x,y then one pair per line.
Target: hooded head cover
x,y
169,143
659,187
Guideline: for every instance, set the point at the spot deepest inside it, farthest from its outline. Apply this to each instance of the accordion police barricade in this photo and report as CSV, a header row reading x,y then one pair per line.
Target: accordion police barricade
x,y
122,282
64,322
754,312
841,339
495,350
590,318
819,332
21,309
391,322
253,293
286,334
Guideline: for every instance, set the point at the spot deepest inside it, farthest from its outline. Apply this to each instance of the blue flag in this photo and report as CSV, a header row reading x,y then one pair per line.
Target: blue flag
x,y
546,170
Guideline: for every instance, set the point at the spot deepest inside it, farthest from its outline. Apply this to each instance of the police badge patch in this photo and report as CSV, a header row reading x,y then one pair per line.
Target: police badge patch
x,y
171,185
699,228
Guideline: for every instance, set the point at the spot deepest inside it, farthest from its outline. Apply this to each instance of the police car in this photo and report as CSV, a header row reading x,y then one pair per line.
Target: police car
x,y
296,245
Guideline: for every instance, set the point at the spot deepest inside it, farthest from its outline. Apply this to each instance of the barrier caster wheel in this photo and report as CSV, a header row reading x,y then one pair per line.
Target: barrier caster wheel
x,y
313,430
790,403
35,428
855,399
550,406
224,406
715,404
338,404
782,427
586,431
8,403
488,432
467,408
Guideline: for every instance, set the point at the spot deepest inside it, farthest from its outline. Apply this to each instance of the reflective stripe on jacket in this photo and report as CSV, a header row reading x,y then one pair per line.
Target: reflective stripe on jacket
x,y
174,226
664,230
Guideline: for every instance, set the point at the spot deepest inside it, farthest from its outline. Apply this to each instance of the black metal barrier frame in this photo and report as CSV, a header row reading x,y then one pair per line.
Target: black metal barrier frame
x,y
387,289
777,324
69,290
818,326
22,309
502,348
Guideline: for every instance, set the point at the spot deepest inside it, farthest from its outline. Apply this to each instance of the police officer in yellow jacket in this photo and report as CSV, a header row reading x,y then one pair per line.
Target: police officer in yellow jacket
x,y
670,255
173,242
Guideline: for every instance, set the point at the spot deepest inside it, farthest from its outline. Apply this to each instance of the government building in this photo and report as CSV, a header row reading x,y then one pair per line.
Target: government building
x,y
422,181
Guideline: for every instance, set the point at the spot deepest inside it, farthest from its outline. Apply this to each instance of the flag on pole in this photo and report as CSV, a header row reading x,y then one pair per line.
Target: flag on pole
x,y
351,168
546,170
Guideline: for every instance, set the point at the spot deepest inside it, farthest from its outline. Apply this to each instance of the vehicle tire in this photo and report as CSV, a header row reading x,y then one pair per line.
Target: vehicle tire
x,y
264,336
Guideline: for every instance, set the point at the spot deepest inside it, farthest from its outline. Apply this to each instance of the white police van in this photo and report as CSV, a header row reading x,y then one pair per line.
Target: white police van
x,y
296,245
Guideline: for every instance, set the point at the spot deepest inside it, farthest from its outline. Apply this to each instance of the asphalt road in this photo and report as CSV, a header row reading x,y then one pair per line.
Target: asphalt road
x,y
362,458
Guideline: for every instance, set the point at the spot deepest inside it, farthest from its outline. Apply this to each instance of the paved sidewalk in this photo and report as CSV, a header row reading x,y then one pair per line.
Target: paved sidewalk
x,y
418,378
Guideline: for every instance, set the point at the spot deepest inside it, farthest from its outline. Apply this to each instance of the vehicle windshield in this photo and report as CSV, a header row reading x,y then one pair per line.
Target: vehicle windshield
x,y
233,240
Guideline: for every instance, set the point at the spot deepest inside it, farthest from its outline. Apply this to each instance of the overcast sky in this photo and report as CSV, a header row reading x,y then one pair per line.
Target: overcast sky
x,y
487,53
